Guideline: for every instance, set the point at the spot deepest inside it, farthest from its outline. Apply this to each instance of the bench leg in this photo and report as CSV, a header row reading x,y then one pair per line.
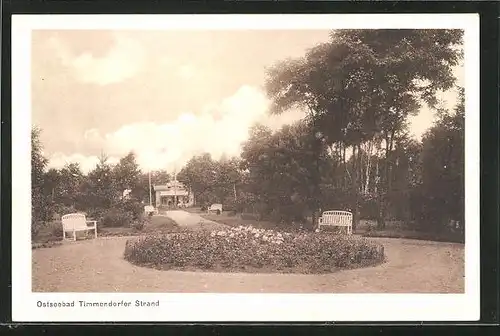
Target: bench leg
x,y
95,232
74,235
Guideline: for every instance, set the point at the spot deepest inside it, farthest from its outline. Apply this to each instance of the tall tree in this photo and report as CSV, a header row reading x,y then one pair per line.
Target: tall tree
x,y
280,166
363,84
71,179
127,175
159,177
200,174
443,164
99,186
40,209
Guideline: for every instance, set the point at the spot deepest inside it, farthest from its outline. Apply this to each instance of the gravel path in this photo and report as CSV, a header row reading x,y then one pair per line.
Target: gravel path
x,y
97,265
193,221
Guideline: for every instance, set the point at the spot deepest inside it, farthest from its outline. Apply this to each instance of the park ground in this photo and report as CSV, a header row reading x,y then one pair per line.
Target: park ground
x,y
97,265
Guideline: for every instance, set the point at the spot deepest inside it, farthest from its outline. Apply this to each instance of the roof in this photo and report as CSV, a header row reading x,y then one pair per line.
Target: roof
x,y
173,193
173,185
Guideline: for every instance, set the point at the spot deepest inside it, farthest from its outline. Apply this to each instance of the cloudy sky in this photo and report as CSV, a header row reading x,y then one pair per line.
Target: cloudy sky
x,y
167,95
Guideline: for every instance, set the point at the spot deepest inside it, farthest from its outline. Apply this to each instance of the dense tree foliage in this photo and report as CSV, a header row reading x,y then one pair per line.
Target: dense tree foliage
x,y
443,179
212,181
362,85
352,151
40,204
100,193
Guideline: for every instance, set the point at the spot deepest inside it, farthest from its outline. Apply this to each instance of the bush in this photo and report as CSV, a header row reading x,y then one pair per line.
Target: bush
x,y
247,248
47,232
132,208
62,209
115,218
36,226
140,223
56,229
126,213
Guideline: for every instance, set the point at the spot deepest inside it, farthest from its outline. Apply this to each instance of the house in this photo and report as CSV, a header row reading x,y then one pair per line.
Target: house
x,y
173,194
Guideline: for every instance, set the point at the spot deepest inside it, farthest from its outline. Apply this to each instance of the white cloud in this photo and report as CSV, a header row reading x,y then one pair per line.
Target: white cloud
x,y
218,129
124,60
187,72
87,163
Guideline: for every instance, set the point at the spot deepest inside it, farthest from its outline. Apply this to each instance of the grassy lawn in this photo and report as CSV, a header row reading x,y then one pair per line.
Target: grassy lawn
x,y
366,228
51,233
155,224
409,234
237,220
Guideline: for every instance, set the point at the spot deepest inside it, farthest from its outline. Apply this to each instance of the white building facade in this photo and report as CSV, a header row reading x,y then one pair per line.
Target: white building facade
x,y
173,194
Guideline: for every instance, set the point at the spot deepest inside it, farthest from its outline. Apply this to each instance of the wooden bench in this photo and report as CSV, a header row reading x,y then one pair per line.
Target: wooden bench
x,y
150,210
76,222
336,218
217,208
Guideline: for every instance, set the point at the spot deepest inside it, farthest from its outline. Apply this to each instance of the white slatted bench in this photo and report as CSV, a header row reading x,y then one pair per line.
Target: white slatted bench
x,y
150,210
217,208
336,218
76,222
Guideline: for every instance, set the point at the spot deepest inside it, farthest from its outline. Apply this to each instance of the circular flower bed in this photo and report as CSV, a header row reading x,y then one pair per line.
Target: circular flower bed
x,y
253,250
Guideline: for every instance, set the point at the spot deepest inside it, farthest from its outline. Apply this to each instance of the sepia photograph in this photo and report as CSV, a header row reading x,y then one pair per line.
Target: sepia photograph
x,y
240,160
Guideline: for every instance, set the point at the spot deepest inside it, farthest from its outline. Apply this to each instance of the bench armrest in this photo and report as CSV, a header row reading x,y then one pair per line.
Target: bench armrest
x,y
320,220
92,221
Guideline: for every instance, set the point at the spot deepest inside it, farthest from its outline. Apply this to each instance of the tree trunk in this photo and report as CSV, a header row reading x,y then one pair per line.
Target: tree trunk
x,y
368,167
344,165
354,186
384,188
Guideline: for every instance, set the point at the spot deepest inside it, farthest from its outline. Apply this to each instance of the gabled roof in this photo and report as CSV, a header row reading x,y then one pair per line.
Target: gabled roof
x,y
170,186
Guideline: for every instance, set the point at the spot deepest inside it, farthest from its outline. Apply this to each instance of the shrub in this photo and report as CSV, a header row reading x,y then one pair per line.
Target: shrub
x,y
139,224
62,209
247,248
131,207
115,218
47,232
56,229
36,226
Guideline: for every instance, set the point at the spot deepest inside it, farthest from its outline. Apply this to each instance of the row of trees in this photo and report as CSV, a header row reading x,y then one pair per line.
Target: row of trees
x,y
60,191
353,149
274,173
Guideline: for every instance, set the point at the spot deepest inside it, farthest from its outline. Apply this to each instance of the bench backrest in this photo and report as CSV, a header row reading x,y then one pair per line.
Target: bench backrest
x,y
149,208
215,207
337,218
74,220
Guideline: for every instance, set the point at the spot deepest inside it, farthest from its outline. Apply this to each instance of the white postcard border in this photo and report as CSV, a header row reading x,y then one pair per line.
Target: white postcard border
x,y
238,307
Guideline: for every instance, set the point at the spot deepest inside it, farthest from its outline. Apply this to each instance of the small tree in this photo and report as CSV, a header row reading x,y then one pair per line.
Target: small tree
x,y
41,209
443,165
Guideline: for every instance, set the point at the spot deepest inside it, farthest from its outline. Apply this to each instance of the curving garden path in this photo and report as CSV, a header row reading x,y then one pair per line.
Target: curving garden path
x,y
97,265
193,221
